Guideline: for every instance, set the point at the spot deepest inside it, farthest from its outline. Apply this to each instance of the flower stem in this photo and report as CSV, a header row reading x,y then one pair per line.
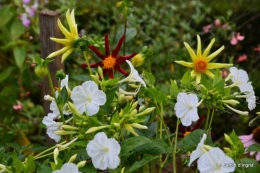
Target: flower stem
x,y
207,120
175,146
211,119
86,59
54,96
45,151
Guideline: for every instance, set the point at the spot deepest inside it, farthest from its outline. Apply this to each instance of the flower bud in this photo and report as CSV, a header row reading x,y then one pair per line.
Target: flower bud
x,y
228,139
134,105
231,102
63,132
68,127
41,70
55,155
72,158
139,126
48,98
93,129
138,60
60,75
146,111
81,164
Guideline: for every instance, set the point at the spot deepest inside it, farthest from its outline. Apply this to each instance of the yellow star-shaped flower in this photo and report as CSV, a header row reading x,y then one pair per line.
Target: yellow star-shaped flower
x,y
70,39
201,62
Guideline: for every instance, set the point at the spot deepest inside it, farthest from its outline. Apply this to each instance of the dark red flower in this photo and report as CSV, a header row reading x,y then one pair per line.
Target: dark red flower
x,y
110,62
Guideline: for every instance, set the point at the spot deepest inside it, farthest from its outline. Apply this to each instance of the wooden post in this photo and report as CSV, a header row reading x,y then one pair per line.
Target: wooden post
x,y
49,28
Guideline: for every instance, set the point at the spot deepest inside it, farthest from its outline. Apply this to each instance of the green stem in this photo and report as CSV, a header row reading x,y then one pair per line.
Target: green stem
x,y
86,59
45,151
125,26
54,96
207,120
211,119
175,146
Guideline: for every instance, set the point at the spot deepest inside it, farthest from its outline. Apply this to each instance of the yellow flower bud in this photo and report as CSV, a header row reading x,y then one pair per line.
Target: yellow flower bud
x,y
81,164
138,60
93,129
72,158
55,155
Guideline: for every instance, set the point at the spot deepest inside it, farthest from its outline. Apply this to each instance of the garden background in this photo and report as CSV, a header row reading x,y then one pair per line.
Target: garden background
x,y
163,26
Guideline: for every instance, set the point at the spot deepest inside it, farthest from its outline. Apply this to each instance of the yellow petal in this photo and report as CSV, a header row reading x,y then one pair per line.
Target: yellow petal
x,y
67,34
191,52
214,54
205,53
61,41
58,52
218,65
207,72
193,73
130,129
66,54
186,64
71,22
198,46
198,77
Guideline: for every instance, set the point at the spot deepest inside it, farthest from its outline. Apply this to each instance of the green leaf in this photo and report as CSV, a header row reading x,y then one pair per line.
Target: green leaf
x,y
18,165
64,95
115,118
247,165
17,29
206,83
254,147
128,145
154,94
186,79
19,56
155,147
138,164
6,11
6,73
238,147
174,89
217,78
130,33
29,165
111,82
149,78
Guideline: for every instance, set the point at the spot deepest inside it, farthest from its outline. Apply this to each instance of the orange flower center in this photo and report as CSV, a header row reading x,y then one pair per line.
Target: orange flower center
x,y
200,65
256,134
109,62
186,133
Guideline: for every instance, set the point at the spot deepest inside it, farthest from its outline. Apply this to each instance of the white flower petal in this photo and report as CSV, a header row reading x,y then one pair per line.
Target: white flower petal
x,y
104,152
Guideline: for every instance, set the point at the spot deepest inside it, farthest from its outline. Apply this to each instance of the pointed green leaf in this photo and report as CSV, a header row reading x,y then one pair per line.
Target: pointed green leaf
x,y
29,165
19,56
6,73
18,165
149,78
17,29
254,147
138,164
247,165
186,79
130,33
174,89
7,12
64,95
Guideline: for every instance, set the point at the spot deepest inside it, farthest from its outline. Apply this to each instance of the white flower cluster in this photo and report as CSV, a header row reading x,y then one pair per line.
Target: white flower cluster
x,y
211,160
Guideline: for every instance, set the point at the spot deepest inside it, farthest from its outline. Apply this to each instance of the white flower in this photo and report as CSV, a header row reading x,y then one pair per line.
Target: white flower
x,y
87,98
52,126
65,82
239,78
200,150
68,168
133,76
55,110
215,161
250,96
186,108
104,152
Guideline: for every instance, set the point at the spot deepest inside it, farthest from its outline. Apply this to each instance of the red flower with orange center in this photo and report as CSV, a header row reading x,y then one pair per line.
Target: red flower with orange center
x,y
110,62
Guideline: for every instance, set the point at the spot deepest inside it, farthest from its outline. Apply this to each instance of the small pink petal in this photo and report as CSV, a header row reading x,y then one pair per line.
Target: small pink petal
x,y
257,157
242,58
233,40
240,37
246,137
217,22
249,143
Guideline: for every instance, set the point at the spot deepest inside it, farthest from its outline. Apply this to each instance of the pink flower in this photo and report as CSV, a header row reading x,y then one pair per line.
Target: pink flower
x,y
242,58
257,49
217,22
224,73
18,106
248,140
25,21
206,28
26,1
235,38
